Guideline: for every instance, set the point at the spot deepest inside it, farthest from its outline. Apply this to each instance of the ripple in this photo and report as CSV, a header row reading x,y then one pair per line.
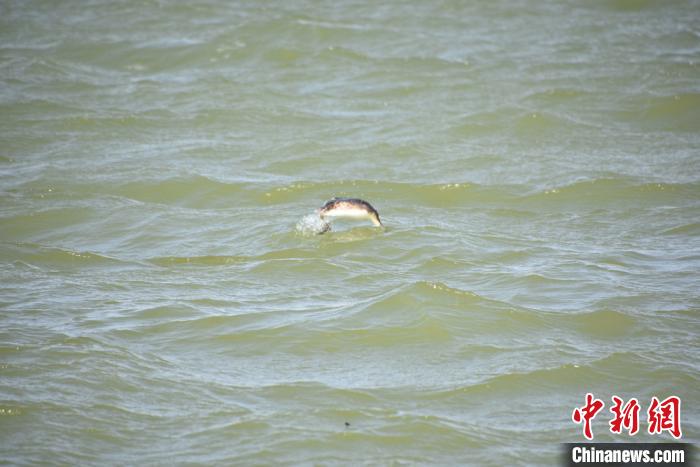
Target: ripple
x,y
205,261
540,193
692,229
52,257
607,324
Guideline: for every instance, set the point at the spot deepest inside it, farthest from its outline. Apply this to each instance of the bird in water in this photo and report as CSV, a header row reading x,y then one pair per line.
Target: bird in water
x,y
348,208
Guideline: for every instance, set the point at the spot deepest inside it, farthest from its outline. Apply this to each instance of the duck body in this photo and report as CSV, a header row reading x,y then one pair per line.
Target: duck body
x,y
350,208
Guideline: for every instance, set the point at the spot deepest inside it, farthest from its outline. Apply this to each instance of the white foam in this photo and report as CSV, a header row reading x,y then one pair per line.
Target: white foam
x,y
312,224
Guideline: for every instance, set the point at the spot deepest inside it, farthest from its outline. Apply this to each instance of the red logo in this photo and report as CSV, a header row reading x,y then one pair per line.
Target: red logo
x,y
587,413
665,416
626,417
661,415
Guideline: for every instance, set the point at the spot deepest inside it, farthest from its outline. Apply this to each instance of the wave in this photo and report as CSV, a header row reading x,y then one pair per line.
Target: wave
x,y
678,112
692,229
206,260
429,294
570,374
594,192
204,192
432,310
439,194
523,123
176,311
604,192
54,257
422,312
223,260
614,367
189,191
603,324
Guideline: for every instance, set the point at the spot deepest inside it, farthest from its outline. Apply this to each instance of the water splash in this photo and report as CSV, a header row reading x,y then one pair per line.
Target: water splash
x,y
312,224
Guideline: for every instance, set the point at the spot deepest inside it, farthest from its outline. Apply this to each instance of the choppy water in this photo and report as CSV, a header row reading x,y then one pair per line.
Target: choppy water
x,y
536,163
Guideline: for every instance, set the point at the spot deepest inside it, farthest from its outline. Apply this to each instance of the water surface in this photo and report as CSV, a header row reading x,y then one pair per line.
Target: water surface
x,y
536,165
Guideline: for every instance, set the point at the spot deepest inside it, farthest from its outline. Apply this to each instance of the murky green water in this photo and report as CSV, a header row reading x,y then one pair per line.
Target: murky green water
x,y
537,165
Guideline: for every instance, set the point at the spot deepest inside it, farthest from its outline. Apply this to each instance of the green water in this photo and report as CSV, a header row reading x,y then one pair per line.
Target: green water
x,y
536,164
